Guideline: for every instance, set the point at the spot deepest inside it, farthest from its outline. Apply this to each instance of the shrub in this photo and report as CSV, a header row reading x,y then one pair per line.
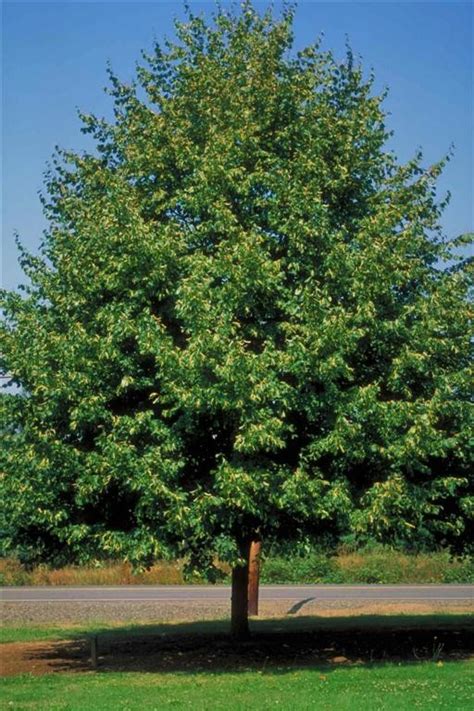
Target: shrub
x,y
460,571
312,568
372,564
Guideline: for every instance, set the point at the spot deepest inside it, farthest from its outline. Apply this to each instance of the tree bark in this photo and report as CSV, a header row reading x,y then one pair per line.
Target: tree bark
x,y
254,576
239,624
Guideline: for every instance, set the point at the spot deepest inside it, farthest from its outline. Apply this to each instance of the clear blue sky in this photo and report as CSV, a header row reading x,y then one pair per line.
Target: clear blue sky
x,y
55,55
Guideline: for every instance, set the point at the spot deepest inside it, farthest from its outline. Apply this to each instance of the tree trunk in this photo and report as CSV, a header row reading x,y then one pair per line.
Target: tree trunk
x,y
254,576
240,602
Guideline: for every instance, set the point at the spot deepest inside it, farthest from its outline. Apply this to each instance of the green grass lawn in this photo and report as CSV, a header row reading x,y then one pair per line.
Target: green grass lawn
x,y
430,686
283,667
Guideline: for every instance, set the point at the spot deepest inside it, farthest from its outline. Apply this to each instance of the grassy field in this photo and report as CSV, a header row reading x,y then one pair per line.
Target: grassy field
x,y
430,686
371,565
371,663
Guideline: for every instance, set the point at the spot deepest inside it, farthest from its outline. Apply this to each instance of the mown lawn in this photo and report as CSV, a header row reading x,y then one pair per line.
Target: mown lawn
x,y
430,686
367,662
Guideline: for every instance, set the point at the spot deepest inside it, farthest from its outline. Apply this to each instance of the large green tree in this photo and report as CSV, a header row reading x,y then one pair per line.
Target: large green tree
x,y
244,322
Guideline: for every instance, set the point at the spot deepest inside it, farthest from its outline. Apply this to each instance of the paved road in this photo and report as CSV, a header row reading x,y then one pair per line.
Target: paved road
x,y
176,593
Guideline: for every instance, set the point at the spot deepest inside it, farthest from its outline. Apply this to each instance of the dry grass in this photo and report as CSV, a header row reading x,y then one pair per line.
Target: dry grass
x,y
367,566
163,573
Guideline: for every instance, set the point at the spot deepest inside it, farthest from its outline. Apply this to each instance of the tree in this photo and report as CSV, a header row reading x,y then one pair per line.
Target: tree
x,y
244,323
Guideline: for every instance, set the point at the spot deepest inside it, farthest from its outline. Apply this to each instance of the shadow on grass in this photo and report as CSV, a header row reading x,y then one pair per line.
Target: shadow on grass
x,y
275,645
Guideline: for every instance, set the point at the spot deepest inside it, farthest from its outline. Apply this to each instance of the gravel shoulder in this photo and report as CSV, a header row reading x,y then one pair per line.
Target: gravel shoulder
x,y
27,613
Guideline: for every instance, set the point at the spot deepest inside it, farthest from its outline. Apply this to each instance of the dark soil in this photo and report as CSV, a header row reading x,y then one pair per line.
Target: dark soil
x,y
118,651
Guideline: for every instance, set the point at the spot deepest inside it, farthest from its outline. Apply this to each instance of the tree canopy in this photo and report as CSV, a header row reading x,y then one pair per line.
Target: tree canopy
x,y
245,319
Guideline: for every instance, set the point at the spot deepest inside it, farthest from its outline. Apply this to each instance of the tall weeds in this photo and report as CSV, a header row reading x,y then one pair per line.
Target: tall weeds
x,y
371,565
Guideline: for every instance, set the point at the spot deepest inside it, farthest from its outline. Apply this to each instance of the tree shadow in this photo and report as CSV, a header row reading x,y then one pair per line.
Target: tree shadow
x,y
297,607
275,646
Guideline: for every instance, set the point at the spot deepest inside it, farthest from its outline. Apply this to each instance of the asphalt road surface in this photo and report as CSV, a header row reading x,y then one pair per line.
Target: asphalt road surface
x,y
178,593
